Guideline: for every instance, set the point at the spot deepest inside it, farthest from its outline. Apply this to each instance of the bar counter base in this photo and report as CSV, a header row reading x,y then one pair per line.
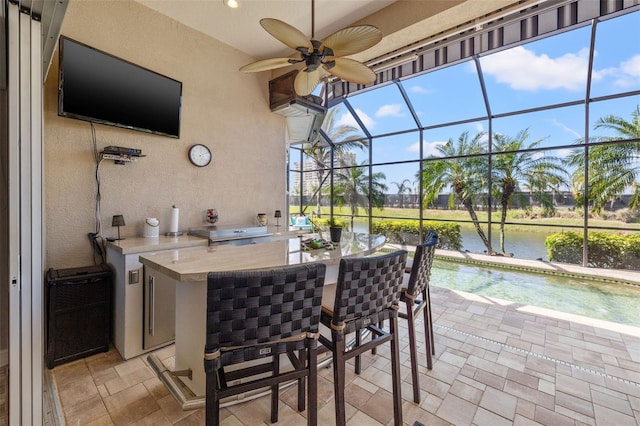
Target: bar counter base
x,y
188,401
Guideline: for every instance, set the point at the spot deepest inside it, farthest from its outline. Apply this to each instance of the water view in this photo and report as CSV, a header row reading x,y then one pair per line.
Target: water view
x,y
594,299
523,245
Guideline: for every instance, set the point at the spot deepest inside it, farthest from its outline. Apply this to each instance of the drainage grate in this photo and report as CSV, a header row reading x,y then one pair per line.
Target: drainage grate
x,y
545,357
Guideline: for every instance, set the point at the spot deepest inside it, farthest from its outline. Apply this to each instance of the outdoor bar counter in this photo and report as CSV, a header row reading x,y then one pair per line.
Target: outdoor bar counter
x,y
188,268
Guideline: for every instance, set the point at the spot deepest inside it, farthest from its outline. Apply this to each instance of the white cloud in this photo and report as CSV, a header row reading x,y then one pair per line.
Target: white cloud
x,y
599,75
484,139
628,75
390,110
632,66
430,148
420,90
566,128
348,120
523,69
563,152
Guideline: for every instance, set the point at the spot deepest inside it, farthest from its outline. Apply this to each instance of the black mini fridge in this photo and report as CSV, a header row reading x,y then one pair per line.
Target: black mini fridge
x,y
78,312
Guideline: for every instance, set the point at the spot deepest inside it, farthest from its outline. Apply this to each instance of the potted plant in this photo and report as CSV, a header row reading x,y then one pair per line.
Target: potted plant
x,y
335,229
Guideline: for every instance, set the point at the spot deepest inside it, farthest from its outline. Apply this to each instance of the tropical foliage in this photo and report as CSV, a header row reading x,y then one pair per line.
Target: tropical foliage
x,y
352,188
403,188
605,250
521,173
341,137
408,232
463,170
516,167
614,164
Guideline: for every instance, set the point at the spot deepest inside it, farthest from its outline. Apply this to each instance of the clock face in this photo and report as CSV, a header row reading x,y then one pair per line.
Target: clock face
x,y
199,155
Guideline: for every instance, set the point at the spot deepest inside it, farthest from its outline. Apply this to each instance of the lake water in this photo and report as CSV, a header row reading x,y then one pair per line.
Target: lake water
x,y
524,245
593,299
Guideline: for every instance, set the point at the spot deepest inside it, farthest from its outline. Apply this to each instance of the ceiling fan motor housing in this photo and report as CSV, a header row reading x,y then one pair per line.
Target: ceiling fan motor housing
x,y
315,58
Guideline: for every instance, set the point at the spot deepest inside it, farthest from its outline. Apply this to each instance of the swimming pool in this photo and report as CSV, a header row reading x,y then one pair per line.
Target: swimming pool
x,y
594,299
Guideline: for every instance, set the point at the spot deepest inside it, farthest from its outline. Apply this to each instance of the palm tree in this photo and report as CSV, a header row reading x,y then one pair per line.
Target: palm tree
x,y
519,166
352,188
402,188
320,152
464,171
613,167
544,187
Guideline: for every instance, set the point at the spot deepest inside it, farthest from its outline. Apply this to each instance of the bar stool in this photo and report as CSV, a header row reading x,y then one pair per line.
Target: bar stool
x,y
366,294
259,315
418,286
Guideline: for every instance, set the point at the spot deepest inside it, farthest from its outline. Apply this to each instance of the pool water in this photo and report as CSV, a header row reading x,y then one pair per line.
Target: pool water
x,y
594,299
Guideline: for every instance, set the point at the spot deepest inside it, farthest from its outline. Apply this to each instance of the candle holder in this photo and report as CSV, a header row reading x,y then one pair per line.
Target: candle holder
x,y
277,215
118,220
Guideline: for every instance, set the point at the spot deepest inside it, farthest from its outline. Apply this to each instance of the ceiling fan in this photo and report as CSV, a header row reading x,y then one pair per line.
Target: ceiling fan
x,y
320,57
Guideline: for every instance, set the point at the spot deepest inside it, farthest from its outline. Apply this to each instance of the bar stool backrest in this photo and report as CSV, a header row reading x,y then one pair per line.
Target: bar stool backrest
x,y
422,262
367,288
256,314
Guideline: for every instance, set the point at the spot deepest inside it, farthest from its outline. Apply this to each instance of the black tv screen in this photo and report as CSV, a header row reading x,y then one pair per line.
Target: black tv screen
x,y
101,88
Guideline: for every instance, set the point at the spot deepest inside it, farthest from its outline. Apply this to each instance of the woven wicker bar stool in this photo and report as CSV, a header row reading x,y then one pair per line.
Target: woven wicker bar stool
x,y
260,315
416,298
367,293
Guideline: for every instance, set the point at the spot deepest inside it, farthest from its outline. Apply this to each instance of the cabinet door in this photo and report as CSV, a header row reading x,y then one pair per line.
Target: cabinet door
x,y
159,309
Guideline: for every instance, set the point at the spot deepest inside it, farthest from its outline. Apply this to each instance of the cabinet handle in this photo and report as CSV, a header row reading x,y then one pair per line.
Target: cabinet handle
x,y
152,302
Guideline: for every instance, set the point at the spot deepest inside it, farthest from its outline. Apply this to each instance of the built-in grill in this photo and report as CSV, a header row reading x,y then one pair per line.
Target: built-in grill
x,y
234,234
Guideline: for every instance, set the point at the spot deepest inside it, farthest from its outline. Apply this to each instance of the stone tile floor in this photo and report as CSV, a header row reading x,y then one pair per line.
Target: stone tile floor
x,y
497,363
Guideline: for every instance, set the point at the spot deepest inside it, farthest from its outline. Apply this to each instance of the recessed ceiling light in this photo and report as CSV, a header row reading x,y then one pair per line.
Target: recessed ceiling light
x,y
233,4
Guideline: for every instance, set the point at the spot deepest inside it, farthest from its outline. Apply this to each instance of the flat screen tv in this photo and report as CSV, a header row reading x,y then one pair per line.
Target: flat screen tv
x,y
98,87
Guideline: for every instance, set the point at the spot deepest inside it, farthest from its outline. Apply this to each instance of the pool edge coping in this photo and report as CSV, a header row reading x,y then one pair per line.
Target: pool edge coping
x,y
541,266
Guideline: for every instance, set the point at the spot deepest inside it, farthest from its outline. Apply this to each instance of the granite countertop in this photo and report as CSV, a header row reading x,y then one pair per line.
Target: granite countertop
x,y
192,265
146,244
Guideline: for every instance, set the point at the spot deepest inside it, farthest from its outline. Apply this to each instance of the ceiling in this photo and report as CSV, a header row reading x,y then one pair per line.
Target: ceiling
x,y
403,22
241,28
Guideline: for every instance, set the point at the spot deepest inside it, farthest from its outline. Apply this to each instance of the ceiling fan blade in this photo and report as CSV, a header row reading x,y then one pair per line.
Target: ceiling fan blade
x,y
287,34
305,82
350,40
267,64
353,71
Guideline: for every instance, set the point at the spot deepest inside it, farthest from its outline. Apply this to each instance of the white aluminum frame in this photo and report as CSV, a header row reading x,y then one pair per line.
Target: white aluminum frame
x,y
25,218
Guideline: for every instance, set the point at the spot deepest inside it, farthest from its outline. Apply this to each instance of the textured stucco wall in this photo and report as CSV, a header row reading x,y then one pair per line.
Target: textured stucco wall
x,y
221,107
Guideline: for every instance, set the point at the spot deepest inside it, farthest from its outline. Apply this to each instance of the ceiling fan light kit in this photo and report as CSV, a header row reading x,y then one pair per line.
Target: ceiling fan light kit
x,y
320,58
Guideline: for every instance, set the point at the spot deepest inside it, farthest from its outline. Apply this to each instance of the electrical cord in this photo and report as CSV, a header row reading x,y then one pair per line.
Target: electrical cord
x,y
97,242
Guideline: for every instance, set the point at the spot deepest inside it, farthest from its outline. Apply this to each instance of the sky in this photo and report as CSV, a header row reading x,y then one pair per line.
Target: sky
x,y
543,72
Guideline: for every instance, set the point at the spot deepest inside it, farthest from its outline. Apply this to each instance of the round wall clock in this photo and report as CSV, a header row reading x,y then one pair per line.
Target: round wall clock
x,y
199,155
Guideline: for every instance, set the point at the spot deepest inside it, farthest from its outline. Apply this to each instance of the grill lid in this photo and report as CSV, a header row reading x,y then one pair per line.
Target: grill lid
x,y
216,232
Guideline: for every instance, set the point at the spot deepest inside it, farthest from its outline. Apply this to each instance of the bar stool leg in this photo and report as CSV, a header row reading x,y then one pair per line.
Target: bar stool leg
x,y
312,390
339,373
395,371
413,352
275,390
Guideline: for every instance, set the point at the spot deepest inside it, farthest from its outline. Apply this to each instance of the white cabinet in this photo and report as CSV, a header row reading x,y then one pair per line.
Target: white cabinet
x,y
127,302
130,296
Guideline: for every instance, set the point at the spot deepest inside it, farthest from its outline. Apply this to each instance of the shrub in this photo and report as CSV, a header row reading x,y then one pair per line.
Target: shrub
x,y
331,222
408,232
565,247
605,250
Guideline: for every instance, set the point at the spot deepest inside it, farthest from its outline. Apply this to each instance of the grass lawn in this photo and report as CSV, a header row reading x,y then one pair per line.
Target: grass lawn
x,y
565,218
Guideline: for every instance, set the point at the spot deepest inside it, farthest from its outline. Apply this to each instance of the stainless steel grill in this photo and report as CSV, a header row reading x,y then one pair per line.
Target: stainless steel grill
x,y
233,234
